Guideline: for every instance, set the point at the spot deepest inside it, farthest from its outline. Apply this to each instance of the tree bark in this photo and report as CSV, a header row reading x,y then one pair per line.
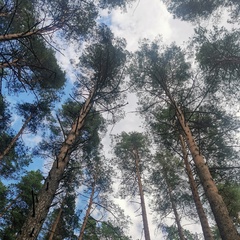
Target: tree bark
x,y
202,216
225,224
15,36
143,206
54,226
6,151
35,220
81,235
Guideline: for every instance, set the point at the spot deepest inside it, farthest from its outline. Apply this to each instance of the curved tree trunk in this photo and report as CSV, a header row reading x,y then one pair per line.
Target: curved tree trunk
x,y
35,219
143,206
202,216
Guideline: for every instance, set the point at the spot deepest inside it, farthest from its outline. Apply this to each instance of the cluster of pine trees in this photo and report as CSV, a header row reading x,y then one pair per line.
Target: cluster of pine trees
x,y
186,162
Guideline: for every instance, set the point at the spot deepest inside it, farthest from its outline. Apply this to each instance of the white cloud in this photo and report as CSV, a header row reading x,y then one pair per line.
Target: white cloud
x,y
145,19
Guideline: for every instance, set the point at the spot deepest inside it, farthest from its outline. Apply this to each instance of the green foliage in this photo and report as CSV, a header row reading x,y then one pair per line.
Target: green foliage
x,y
219,57
169,185
3,196
18,12
108,231
104,230
17,158
127,142
68,221
4,115
28,184
159,70
14,218
171,233
124,146
102,66
41,60
230,193
194,10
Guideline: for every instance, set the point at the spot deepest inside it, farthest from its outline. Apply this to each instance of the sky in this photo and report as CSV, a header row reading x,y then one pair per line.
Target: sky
x,y
144,19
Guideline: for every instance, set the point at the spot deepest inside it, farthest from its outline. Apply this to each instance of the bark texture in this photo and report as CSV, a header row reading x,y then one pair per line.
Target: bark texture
x,y
15,36
35,219
81,235
54,226
202,216
143,206
225,224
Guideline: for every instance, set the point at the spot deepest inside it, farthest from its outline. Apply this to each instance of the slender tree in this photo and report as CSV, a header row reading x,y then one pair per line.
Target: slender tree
x,y
131,151
170,195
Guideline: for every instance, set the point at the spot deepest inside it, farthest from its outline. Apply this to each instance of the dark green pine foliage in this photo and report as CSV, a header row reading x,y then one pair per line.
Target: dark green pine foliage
x,y
63,221
194,10
17,156
124,144
20,200
171,193
171,232
218,55
27,64
214,129
103,231
91,231
108,231
230,192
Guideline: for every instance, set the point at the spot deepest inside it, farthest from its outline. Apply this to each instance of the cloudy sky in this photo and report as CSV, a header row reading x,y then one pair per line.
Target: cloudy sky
x,y
144,19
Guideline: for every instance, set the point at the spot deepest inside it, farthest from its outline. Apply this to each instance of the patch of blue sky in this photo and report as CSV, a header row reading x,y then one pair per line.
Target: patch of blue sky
x,y
106,19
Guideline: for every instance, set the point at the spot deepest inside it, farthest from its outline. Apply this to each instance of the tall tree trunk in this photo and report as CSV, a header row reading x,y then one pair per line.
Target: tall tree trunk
x,y
55,223
144,212
225,224
174,207
35,219
81,235
202,216
6,151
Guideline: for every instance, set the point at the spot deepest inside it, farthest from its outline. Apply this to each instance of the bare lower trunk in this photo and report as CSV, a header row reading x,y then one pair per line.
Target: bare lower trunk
x,y
174,208
36,218
6,151
225,224
144,212
81,235
54,226
202,216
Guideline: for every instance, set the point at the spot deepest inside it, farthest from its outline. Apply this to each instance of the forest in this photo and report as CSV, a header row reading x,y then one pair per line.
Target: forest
x,y
56,180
